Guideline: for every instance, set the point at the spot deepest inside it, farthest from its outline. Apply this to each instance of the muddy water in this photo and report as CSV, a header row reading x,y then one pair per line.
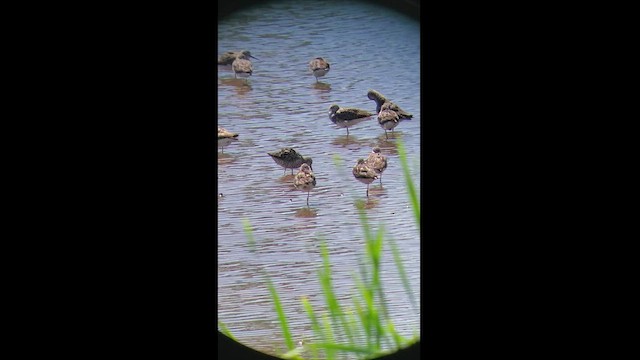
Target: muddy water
x,y
368,47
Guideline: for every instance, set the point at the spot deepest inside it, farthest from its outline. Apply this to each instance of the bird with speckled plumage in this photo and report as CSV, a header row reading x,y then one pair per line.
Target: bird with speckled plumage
x,y
242,66
377,162
389,119
319,67
364,173
305,180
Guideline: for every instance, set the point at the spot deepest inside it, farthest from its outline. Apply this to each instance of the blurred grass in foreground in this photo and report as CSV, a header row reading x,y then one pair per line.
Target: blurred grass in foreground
x,y
366,332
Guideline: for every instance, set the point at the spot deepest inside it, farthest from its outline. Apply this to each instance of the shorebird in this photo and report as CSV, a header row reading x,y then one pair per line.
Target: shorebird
x,y
345,117
228,57
377,162
363,173
389,119
242,66
288,158
305,180
225,137
319,67
381,100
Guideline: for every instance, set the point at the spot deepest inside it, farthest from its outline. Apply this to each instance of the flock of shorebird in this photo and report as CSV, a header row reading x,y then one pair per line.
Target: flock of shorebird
x,y
365,170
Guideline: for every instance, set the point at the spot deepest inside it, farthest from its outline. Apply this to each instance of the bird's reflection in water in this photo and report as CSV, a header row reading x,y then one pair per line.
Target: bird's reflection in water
x,y
224,158
392,136
322,86
306,213
366,203
242,86
287,178
346,140
388,147
377,190
323,91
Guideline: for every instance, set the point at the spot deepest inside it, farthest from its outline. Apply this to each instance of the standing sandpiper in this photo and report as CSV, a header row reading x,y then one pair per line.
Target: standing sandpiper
x,y
377,162
305,180
319,67
242,66
288,158
381,100
389,119
363,173
225,137
345,117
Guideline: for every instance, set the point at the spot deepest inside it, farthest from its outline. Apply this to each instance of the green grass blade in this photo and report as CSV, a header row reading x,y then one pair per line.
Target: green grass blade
x,y
281,316
246,225
315,325
330,298
225,330
413,197
394,334
328,334
403,275
365,226
293,354
362,312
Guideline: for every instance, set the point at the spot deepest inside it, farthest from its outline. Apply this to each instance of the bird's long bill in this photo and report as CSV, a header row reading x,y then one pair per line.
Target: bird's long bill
x,y
253,57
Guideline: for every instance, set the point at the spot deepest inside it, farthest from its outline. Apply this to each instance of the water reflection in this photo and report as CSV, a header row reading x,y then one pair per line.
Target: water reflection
x,y
241,86
288,179
390,136
225,158
322,86
377,190
367,203
347,140
306,212
323,90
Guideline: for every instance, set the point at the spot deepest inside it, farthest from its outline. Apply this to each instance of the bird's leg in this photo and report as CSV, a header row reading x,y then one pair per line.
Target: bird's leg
x,y
380,180
308,198
347,131
367,190
285,171
385,135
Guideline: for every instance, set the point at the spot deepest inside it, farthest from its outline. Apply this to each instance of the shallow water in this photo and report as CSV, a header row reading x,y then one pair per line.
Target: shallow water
x,y
368,47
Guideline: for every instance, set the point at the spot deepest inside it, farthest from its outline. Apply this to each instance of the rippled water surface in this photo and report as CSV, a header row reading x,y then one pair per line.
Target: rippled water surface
x,y
368,47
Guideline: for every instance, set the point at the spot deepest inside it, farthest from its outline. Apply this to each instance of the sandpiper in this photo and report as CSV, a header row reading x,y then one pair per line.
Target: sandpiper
x,y
225,137
305,180
381,100
288,158
363,173
242,66
377,162
319,67
228,57
345,117
389,119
